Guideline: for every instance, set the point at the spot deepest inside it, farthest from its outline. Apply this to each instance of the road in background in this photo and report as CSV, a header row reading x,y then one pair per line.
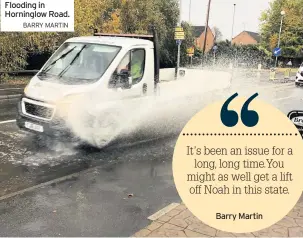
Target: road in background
x,y
112,191
9,95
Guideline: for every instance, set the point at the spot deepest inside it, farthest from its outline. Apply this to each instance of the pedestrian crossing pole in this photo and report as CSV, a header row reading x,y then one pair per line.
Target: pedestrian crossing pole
x,y
287,74
272,75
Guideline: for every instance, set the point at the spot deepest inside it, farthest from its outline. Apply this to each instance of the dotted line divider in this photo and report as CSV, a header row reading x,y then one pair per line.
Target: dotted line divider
x,y
240,134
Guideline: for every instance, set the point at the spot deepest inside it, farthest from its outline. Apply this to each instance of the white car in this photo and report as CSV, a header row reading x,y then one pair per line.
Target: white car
x,y
299,76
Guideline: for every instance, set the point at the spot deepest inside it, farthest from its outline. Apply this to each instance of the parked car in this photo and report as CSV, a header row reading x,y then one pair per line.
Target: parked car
x,y
299,76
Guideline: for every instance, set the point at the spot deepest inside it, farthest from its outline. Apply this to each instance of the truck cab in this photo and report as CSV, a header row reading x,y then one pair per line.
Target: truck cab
x,y
113,67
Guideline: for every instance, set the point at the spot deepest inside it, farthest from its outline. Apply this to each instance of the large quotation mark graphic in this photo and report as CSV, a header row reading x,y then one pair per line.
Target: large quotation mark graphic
x,y
230,118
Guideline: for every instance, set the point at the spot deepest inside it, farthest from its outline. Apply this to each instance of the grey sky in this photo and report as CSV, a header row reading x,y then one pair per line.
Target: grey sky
x,y
221,14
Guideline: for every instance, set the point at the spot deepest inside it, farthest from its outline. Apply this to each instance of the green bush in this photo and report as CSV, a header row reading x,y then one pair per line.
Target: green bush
x,y
13,51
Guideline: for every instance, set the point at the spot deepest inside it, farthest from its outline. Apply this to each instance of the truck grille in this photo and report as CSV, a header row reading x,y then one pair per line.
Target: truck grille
x,y
37,110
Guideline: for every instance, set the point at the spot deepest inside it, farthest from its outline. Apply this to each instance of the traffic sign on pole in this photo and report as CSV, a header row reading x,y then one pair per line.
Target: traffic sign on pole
x,y
179,35
179,29
277,51
191,50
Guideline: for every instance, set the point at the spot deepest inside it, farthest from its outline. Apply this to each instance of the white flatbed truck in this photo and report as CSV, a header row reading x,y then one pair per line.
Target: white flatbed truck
x,y
102,64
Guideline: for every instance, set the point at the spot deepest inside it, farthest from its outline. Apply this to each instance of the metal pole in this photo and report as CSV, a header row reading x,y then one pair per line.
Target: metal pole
x,y
189,18
280,31
179,45
232,30
279,41
179,56
206,30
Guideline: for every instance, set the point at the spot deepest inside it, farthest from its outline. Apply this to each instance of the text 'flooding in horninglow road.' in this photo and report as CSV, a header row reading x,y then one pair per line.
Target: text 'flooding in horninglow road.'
x,y
37,15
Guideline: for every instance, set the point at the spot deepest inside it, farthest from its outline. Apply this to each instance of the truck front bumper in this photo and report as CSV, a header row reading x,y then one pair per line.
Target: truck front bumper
x,y
54,128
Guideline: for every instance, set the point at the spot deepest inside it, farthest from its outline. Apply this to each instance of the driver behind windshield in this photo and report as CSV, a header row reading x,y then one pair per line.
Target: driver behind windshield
x,y
137,65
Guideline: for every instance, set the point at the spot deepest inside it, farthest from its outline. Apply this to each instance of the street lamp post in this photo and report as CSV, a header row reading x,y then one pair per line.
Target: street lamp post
x,y
279,41
189,17
232,30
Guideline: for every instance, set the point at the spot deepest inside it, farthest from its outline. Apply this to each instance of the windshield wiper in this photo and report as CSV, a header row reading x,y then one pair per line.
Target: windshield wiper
x,y
70,64
61,57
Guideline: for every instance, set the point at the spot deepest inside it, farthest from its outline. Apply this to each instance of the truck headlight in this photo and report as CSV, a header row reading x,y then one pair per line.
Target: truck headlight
x,y
63,106
26,89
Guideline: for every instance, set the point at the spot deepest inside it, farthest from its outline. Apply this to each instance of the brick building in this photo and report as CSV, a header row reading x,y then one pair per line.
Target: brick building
x,y
199,34
247,38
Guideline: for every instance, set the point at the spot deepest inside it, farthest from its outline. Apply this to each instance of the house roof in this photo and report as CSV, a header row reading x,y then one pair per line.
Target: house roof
x,y
198,30
254,35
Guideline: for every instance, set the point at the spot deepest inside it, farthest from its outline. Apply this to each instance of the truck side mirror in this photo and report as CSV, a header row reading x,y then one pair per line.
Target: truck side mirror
x,y
125,79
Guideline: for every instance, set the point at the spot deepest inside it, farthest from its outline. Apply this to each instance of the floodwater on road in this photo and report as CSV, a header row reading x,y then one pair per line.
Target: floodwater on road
x,y
137,162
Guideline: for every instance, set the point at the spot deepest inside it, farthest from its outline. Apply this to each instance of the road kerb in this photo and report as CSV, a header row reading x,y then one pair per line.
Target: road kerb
x,y
5,122
31,189
163,211
7,97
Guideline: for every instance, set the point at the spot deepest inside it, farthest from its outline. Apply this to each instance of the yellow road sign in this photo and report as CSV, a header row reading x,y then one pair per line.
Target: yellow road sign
x,y
179,33
191,50
179,38
178,29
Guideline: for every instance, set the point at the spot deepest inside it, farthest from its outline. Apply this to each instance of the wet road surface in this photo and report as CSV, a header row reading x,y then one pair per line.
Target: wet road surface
x,y
8,109
94,201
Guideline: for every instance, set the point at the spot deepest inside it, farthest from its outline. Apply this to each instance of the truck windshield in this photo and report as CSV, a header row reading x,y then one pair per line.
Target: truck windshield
x,y
79,63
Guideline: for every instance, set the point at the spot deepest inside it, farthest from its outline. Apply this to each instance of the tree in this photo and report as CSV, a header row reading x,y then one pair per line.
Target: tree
x,y
187,43
218,34
292,26
89,14
12,52
138,15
